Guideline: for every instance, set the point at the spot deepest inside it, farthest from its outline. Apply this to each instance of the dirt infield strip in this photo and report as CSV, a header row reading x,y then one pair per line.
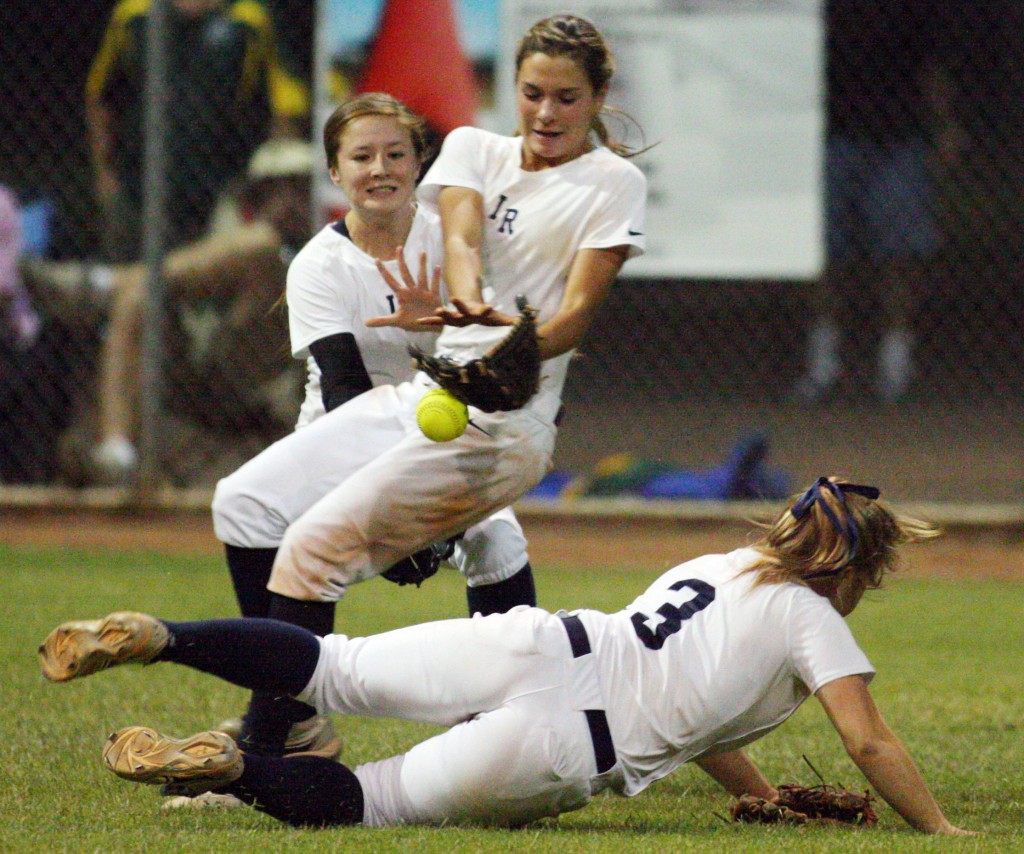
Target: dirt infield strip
x,y
649,545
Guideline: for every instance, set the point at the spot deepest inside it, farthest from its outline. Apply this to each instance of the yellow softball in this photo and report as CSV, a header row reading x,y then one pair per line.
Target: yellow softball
x,y
441,417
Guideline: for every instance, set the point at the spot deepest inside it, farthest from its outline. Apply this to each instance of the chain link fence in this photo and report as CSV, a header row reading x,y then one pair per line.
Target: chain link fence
x,y
674,373
77,109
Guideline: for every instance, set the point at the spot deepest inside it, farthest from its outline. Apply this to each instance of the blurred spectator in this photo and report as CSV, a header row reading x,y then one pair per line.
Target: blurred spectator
x,y
228,91
891,127
35,394
19,322
222,355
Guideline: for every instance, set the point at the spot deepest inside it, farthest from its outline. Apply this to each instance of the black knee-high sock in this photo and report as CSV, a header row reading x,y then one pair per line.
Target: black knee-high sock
x,y
250,571
316,617
265,655
503,596
270,716
304,791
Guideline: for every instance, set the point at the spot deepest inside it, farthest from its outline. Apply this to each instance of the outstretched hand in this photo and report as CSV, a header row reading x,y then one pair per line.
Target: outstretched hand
x,y
464,313
418,299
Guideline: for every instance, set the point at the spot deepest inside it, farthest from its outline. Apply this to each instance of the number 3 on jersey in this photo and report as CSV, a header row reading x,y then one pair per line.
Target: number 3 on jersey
x,y
672,616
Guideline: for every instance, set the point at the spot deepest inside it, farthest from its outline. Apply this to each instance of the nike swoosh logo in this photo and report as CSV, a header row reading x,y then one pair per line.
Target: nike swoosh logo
x,y
632,233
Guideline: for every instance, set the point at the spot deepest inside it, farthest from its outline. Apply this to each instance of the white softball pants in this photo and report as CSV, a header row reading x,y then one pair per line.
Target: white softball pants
x,y
519,747
361,487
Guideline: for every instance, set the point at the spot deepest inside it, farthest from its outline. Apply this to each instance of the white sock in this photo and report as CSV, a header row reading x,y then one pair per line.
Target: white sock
x,y
100,278
116,452
894,364
823,353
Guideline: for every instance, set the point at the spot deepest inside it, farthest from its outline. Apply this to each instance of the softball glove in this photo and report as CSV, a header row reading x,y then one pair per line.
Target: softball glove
x,y
797,804
505,378
418,567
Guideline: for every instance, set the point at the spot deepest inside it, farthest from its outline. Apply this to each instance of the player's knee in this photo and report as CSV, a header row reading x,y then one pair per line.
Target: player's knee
x,y
491,552
241,519
317,562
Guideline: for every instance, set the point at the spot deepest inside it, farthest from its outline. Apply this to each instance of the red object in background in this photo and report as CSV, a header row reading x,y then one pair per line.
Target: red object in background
x,y
417,58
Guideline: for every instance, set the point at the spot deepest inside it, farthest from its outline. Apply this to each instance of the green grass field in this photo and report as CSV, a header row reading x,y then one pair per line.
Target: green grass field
x,y
950,682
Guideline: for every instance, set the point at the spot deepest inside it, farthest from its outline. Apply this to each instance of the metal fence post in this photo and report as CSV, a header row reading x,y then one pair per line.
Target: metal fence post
x,y
154,223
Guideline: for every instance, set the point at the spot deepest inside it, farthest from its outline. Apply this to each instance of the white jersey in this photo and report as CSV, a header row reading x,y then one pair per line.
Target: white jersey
x,y
534,224
702,661
334,287
382,489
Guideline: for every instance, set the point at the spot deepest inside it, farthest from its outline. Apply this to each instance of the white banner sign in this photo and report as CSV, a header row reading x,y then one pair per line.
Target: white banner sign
x,y
729,95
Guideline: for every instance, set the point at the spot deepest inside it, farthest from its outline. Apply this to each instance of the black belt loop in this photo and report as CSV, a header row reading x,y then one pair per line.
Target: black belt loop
x,y
597,720
604,748
578,639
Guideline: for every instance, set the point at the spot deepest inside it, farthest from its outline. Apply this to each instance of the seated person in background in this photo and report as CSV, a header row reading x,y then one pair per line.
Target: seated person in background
x,y
222,356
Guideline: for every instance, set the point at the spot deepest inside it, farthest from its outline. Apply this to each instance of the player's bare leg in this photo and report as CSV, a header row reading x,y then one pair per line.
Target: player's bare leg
x,y
114,457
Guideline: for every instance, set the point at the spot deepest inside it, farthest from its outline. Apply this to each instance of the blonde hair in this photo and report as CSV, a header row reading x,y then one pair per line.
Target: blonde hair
x,y
831,530
374,104
579,40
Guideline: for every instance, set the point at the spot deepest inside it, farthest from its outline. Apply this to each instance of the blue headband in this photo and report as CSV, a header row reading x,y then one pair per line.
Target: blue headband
x,y
846,528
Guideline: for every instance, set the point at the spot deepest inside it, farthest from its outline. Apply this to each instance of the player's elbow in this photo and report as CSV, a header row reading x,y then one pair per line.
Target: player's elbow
x,y
868,749
862,749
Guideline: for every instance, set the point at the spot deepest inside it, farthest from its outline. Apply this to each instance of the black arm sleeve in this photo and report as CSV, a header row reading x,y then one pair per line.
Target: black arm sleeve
x,y
342,372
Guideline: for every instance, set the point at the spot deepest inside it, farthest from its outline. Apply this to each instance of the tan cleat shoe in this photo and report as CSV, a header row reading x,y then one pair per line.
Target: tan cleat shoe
x,y
197,764
230,726
313,737
84,647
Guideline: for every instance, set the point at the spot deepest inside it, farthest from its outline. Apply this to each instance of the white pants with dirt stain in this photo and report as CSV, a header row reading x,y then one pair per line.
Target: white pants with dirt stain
x,y
519,747
361,487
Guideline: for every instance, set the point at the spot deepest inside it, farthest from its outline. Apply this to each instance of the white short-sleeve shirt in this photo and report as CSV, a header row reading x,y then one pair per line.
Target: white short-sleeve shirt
x,y
712,662
334,287
534,224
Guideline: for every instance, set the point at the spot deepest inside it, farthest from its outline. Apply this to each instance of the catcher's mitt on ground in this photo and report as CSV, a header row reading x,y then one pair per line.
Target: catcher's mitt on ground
x,y
418,567
797,804
504,378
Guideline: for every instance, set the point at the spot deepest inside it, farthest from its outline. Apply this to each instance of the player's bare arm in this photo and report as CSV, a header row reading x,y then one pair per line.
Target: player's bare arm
x,y
418,298
734,771
878,753
591,278
462,217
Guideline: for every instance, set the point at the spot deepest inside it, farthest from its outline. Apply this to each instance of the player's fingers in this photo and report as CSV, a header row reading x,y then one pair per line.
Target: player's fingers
x,y
497,318
451,316
403,268
391,281
435,282
423,324
475,309
423,281
482,313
